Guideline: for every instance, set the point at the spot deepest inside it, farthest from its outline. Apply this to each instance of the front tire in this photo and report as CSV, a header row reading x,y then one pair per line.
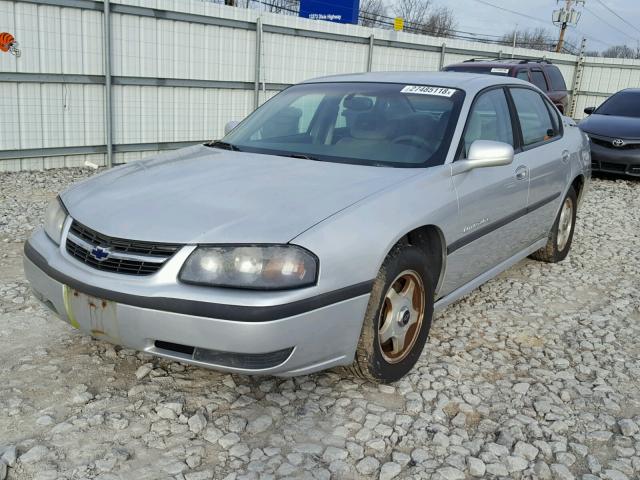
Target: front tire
x,y
561,235
398,318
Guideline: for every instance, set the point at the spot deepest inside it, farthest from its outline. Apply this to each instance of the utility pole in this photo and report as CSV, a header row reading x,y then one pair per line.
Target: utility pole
x,y
564,17
563,27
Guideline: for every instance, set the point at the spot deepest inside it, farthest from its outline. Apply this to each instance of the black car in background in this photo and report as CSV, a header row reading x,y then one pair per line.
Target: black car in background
x,y
614,129
541,72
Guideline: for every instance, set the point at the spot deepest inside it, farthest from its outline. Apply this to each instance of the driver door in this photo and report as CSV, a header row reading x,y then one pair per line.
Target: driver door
x,y
491,201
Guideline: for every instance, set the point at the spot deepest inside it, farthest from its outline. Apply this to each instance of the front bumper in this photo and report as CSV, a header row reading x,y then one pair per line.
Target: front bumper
x,y
304,336
615,160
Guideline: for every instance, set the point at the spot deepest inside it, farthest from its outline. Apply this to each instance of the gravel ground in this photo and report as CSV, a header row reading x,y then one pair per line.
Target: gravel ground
x,y
535,375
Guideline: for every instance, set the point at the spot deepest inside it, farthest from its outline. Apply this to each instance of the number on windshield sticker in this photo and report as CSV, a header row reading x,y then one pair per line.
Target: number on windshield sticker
x,y
426,90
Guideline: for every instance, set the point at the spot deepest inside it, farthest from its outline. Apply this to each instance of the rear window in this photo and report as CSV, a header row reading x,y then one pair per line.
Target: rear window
x,y
557,80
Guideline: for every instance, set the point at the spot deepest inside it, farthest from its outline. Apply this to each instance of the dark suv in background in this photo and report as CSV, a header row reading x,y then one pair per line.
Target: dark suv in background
x,y
542,73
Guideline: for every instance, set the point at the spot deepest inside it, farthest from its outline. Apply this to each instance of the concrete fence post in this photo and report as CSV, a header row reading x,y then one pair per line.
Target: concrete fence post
x,y
258,64
370,54
443,52
108,103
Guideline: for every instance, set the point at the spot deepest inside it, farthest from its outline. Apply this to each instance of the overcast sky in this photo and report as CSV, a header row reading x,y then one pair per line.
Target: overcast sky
x,y
473,16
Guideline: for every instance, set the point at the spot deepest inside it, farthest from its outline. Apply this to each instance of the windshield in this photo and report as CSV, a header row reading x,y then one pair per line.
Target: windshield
x,y
623,104
381,124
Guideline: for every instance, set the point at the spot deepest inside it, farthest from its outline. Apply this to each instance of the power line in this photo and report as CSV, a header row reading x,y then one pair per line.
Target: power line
x,y
591,37
376,19
520,14
621,18
381,20
610,25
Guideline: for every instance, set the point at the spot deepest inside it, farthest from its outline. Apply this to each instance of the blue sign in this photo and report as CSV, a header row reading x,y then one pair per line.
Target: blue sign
x,y
340,11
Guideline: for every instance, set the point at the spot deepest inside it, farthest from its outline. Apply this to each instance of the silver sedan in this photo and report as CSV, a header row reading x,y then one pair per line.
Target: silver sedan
x,y
321,231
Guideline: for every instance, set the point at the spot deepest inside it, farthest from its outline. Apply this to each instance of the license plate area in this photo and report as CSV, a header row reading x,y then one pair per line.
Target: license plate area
x,y
94,315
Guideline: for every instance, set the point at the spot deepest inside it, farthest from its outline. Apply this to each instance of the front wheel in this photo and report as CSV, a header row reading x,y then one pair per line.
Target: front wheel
x,y
561,235
398,317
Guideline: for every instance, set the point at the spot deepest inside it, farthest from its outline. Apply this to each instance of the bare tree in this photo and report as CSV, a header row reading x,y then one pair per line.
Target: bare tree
x,y
278,6
537,39
422,16
414,12
373,13
440,22
621,51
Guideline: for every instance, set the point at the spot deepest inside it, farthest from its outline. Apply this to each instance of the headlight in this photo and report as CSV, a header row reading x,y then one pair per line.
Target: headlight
x,y
267,267
54,219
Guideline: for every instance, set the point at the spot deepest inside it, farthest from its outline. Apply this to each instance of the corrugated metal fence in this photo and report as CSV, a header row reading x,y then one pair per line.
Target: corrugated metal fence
x,y
179,70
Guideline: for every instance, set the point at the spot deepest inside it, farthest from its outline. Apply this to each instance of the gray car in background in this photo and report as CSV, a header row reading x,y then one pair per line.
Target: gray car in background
x,y
323,230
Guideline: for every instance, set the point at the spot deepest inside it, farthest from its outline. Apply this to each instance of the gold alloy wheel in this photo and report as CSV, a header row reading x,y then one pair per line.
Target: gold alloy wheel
x,y
401,316
565,223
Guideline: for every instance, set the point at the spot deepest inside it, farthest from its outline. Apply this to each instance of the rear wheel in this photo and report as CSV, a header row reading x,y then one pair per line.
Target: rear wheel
x,y
398,317
561,235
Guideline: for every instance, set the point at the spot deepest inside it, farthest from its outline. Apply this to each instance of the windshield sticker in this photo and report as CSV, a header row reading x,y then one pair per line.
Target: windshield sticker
x,y
499,70
425,90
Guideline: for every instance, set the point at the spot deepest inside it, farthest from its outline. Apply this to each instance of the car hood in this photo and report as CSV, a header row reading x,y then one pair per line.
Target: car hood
x,y
611,126
207,195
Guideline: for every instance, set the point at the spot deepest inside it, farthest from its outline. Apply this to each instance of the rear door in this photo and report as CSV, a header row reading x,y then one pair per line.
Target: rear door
x,y
492,201
539,128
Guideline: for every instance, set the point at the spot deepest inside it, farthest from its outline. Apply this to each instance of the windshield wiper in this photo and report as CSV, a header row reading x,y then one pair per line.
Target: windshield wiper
x,y
300,155
223,145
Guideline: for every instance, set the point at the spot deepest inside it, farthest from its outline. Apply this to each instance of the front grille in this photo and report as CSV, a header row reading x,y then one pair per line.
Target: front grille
x,y
129,257
608,144
614,167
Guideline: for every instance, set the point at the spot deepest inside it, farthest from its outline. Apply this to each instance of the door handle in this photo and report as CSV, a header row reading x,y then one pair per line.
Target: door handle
x,y
522,172
565,156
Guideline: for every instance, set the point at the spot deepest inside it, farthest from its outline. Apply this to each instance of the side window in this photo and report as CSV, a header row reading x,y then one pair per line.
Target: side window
x,y
308,106
523,75
489,119
555,118
537,78
557,80
535,121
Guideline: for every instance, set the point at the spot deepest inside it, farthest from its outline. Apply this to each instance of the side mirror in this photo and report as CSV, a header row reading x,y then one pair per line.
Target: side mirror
x,y
589,110
230,126
482,154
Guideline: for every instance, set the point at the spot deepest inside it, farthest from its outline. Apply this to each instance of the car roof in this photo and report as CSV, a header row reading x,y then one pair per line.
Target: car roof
x,y
470,82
